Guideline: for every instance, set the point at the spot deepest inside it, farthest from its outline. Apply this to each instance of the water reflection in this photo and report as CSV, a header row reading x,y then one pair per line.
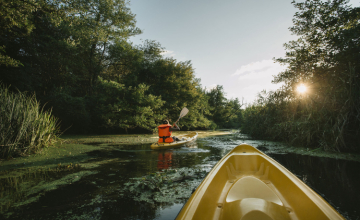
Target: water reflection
x,y
164,160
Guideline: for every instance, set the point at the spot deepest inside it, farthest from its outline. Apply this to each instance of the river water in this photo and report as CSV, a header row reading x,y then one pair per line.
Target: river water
x,y
99,194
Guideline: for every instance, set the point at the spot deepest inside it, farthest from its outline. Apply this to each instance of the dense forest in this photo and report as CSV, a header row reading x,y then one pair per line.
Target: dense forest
x,y
325,59
76,57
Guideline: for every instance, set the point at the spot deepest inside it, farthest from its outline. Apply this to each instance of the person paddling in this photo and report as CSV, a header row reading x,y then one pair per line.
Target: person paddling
x,y
165,132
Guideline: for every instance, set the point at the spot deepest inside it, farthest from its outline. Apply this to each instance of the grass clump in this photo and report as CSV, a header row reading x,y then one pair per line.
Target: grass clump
x,y
24,126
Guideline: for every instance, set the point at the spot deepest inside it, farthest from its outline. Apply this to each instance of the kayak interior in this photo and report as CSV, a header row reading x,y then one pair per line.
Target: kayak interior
x,y
247,184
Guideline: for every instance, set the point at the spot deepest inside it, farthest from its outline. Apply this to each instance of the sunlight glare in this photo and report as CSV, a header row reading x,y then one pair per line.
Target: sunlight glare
x,y
301,88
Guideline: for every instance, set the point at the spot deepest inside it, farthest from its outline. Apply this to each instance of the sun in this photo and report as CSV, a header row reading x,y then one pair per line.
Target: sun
x,y
301,88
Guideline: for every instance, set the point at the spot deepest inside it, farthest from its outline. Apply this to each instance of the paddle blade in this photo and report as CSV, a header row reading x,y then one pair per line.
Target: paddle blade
x,y
183,112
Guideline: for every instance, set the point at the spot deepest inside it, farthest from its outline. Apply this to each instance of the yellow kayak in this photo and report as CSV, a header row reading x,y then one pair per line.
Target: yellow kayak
x,y
248,185
184,139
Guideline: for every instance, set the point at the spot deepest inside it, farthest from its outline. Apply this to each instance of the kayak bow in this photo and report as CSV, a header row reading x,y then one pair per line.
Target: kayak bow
x,y
246,184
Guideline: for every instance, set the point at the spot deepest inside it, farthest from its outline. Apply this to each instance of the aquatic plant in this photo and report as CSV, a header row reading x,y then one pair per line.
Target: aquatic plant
x,y
69,166
24,126
170,185
30,185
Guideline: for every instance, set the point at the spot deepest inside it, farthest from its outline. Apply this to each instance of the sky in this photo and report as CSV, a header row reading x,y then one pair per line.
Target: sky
x,y
229,42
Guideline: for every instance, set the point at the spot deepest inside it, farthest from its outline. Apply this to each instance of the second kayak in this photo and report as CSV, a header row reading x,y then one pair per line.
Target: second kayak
x,y
184,139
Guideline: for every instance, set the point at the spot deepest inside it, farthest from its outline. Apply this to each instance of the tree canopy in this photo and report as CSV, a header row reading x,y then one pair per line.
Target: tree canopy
x,y
76,57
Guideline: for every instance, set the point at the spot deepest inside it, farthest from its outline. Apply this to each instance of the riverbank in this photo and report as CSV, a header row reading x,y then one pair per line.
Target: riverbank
x,y
283,148
74,148
318,152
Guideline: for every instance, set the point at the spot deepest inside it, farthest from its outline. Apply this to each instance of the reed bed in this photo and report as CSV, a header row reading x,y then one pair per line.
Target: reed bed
x,y
24,126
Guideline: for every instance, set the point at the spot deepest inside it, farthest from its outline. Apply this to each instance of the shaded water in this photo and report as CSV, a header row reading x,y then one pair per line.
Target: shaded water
x,y
96,191
335,180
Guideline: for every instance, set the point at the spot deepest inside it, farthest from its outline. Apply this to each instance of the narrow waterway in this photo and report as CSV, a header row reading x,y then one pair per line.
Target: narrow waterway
x,y
96,189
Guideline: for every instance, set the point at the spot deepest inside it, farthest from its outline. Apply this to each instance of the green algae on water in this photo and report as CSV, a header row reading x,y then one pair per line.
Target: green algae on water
x,y
169,186
30,192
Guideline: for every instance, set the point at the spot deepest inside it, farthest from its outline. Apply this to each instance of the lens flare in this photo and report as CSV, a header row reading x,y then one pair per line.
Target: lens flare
x,y
301,88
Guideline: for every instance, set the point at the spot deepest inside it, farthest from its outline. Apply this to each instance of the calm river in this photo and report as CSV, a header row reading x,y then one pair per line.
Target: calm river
x,y
98,193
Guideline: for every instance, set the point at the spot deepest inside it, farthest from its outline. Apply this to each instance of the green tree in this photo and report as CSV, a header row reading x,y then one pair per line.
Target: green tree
x,y
225,113
15,22
117,106
217,101
73,111
44,52
325,59
68,42
327,44
174,82
232,114
97,25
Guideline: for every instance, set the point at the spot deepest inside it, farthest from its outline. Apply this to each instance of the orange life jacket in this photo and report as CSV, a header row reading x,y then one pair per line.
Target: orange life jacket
x,y
165,133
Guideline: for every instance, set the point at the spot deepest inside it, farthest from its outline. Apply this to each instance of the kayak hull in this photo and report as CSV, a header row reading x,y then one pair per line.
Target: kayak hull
x,y
184,139
246,184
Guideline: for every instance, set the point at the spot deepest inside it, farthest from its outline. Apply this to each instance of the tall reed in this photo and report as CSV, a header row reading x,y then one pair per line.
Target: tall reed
x,y
24,126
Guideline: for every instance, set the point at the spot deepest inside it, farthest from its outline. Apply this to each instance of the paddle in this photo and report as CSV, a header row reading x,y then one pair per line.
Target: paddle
x,y
183,112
